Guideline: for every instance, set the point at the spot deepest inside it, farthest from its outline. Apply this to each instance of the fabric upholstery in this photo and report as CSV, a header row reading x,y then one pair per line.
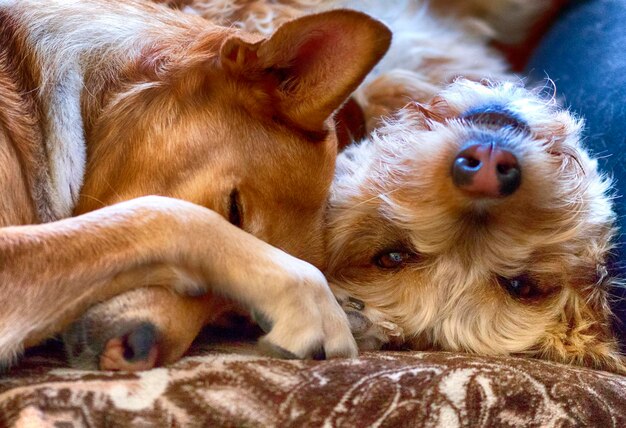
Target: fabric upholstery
x,y
230,385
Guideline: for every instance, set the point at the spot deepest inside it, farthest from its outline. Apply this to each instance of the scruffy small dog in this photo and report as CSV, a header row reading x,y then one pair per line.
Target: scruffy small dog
x,y
471,219
478,223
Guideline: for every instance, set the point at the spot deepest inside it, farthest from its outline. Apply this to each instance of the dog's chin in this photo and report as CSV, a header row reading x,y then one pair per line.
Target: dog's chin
x,y
492,221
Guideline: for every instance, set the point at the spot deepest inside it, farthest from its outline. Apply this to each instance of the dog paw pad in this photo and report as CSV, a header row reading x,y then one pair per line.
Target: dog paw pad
x,y
359,323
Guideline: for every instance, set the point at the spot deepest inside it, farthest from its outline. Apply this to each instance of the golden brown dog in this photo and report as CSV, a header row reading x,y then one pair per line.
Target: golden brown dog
x,y
104,102
471,220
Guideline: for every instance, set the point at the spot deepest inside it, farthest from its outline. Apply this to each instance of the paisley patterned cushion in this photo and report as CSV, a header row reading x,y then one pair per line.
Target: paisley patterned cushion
x,y
230,385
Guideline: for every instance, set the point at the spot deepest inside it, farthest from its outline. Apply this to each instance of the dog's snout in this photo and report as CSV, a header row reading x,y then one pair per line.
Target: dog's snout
x,y
486,170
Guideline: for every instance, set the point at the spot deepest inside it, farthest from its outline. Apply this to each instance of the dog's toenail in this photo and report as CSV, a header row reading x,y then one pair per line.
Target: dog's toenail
x,y
262,320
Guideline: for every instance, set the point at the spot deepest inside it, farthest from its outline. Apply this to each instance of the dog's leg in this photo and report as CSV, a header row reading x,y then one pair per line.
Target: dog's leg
x,y
143,328
49,273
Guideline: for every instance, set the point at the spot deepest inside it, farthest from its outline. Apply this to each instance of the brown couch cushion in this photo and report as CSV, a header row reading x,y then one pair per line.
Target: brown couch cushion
x,y
232,386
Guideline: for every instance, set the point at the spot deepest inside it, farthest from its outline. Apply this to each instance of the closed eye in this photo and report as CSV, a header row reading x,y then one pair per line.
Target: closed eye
x,y
235,213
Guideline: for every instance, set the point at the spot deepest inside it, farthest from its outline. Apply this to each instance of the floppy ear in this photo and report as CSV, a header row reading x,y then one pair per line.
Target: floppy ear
x,y
310,65
586,337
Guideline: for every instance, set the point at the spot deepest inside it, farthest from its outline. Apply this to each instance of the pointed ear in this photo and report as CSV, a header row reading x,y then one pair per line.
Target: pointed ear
x,y
310,65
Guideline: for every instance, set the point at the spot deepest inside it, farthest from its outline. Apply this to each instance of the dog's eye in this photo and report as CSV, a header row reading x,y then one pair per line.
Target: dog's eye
x,y
521,286
235,214
393,259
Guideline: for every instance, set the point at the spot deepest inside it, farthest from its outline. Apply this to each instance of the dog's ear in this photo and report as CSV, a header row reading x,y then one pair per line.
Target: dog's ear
x,y
310,65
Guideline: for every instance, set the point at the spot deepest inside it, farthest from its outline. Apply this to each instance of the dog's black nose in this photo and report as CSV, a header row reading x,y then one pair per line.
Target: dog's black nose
x,y
486,170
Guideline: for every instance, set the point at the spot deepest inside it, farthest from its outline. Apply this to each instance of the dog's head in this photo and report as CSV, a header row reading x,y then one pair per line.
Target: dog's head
x,y
479,223
236,122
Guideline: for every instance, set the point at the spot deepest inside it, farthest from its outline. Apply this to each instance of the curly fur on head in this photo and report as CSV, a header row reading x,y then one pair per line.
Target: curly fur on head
x,y
393,194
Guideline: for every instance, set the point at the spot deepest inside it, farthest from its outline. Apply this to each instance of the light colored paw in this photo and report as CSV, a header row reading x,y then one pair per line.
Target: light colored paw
x,y
307,322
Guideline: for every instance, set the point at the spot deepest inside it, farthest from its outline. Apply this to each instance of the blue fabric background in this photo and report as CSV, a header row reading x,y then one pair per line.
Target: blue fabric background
x,y
585,54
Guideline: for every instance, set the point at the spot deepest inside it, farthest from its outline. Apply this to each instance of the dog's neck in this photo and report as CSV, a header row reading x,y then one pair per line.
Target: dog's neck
x,y
74,61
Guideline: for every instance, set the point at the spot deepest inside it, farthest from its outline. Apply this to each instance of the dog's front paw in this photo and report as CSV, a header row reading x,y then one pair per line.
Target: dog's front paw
x,y
307,322
369,327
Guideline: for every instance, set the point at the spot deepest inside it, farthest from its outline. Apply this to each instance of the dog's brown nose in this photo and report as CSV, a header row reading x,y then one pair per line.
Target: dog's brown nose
x,y
486,170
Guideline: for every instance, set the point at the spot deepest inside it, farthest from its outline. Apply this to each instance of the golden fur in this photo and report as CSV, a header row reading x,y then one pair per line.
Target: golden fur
x,y
105,102
393,195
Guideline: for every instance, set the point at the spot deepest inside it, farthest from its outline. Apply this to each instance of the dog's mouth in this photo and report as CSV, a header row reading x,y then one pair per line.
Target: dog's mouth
x,y
496,117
